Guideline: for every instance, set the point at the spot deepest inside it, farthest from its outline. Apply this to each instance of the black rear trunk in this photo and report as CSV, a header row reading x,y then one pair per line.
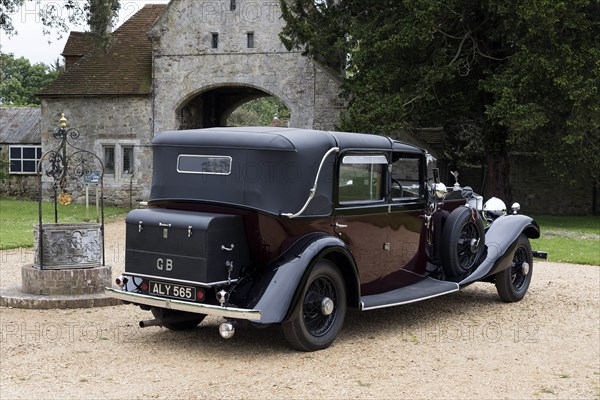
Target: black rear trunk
x,y
199,247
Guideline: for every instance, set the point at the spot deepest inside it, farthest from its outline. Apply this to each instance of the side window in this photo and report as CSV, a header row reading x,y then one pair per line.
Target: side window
x,y
24,159
406,178
361,178
109,160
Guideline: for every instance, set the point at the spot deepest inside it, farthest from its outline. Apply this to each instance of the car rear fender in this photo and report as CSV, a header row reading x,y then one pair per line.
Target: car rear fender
x,y
280,286
501,241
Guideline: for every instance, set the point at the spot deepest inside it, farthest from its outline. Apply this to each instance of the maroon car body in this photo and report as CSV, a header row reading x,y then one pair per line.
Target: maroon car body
x,y
292,227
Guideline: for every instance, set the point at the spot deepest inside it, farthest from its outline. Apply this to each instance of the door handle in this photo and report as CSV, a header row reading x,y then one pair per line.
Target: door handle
x,y
338,225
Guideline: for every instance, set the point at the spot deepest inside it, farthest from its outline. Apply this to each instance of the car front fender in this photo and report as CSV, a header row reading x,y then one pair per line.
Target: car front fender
x,y
501,240
275,291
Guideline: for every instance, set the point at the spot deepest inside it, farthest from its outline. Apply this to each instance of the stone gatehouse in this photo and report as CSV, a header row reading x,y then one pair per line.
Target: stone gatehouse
x,y
188,64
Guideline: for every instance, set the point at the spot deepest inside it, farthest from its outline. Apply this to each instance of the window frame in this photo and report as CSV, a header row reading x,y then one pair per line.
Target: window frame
x,y
250,43
214,40
113,170
37,157
132,160
420,173
383,186
119,145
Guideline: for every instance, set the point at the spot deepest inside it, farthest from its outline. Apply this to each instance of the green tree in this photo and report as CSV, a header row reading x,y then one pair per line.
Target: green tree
x,y
499,75
20,80
258,112
99,15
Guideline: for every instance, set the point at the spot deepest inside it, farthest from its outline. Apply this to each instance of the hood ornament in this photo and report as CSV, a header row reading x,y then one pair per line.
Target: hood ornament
x,y
456,186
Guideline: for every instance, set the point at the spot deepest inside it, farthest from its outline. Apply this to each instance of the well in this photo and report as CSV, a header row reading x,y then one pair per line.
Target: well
x,y
68,246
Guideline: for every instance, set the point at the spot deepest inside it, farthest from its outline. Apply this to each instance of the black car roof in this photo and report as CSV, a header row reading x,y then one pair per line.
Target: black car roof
x,y
279,139
270,169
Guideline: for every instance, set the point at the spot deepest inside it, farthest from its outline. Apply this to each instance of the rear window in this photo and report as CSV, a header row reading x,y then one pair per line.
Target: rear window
x,y
206,165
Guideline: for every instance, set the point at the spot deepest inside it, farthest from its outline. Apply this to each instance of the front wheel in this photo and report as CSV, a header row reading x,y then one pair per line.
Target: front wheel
x,y
512,283
319,315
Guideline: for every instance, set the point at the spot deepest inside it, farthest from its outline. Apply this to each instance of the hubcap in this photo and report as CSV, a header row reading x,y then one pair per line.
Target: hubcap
x,y
474,245
327,306
525,268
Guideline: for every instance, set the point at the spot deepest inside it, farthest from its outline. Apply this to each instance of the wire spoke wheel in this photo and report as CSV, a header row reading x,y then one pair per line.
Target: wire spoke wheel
x,y
463,242
319,314
316,321
512,283
467,245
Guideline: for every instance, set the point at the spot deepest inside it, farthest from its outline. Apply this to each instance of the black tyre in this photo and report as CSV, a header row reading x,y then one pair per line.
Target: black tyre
x,y
177,320
463,241
319,315
512,283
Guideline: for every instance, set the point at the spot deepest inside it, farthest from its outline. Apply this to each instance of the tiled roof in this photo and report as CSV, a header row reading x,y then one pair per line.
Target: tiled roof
x,y
79,44
20,125
125,68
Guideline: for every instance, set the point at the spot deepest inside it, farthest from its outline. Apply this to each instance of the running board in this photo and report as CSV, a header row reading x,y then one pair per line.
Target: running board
x,y
426,289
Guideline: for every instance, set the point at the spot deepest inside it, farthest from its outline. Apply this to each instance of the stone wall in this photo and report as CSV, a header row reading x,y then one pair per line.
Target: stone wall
x,y
186,65
123,121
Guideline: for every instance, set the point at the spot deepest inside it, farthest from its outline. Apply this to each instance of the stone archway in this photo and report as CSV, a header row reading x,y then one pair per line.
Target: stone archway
x,y
213,106
203,63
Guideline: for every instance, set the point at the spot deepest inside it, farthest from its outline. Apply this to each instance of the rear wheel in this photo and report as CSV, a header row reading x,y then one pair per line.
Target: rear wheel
x,y
512,283
463,241
177,320
319,315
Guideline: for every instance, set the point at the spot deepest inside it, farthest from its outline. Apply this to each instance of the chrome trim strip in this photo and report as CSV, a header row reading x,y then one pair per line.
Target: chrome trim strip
x,y
181,171
362,305
179,305
313,190
162,278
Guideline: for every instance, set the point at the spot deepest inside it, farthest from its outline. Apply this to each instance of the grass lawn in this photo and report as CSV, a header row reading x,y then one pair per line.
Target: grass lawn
x,y
17,218
566,239
569,239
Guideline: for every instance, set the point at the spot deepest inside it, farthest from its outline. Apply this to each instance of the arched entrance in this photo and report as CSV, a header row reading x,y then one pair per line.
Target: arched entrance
x,y
214,106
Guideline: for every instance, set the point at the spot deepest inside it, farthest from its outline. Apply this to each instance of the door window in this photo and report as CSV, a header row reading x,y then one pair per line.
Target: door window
x,y
406,181
361,178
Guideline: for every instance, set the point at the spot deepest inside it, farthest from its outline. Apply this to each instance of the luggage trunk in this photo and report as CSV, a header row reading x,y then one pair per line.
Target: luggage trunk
x,y
198,247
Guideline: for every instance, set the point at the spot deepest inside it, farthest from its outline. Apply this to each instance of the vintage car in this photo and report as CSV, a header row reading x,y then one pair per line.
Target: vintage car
x,y
290,226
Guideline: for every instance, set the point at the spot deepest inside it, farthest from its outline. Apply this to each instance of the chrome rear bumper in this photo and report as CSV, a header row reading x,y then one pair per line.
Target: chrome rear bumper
x,y
172,304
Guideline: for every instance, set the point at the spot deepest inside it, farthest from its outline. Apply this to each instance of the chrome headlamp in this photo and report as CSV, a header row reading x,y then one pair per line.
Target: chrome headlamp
x,y
439,190
494,208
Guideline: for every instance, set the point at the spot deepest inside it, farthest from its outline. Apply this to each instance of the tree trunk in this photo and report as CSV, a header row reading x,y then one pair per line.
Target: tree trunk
x,y
497,183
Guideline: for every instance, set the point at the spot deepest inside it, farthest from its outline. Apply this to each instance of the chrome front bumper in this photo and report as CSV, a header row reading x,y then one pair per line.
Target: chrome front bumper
x,y
172,304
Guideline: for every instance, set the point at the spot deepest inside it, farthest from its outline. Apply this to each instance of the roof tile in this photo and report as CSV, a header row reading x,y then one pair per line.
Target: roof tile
x,y
125,68
20,125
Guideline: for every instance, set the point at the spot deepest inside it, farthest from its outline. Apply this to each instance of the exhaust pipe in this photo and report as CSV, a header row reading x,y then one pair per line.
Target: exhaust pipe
x,y
150,322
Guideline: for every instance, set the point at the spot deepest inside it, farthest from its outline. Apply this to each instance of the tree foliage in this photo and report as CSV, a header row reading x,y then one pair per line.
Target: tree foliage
x,y
513,75
259,112
20,80
99,15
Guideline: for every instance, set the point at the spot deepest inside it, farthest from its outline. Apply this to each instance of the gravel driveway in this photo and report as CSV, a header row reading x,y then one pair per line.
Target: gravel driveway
x,y
464,345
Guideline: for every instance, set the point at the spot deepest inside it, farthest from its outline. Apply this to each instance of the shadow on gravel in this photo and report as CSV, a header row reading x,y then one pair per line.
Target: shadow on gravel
x,y
250,341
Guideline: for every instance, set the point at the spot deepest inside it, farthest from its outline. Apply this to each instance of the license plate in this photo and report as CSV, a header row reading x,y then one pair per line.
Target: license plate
x,y
172,291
